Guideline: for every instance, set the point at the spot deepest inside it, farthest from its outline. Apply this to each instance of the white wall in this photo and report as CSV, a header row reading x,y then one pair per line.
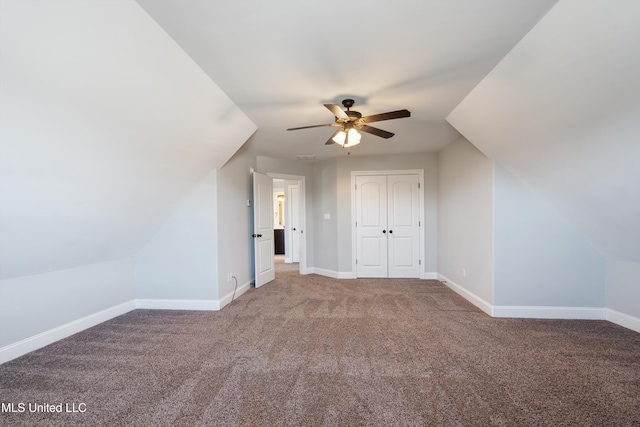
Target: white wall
x,y
207,237
560,111
181,260
106,125
539,258
465,218
623,288
235,224
31,305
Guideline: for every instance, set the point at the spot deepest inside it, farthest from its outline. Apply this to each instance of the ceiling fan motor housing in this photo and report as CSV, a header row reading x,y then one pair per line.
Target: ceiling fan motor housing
x,y
348,103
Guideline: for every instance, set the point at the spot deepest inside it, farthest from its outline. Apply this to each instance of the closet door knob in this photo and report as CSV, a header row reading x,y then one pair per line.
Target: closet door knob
x,y
390,231
384,231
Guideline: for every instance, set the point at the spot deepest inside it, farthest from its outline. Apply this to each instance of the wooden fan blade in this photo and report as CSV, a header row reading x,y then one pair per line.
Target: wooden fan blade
x,y
337,111
387,116
330,140
377,132
314,126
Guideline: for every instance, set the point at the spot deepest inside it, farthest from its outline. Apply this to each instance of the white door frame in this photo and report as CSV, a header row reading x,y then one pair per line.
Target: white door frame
x,y
354,242
303,216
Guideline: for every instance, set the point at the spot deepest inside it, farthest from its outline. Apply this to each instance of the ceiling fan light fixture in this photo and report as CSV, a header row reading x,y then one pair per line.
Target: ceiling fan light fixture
x,y
351,123
341,137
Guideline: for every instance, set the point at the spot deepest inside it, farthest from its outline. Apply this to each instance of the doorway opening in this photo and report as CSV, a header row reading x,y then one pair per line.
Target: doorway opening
x,y
289,221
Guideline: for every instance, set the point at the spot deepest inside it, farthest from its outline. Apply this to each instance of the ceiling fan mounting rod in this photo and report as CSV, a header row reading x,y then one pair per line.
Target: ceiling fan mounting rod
x,y
348,103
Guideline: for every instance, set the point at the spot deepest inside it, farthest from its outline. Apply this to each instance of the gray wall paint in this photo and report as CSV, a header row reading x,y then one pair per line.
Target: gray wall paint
x,y
465,217
333,195
180,261
102,135
560,111
623,287
30,305
325,230
425,161
235,222
284,166
539,258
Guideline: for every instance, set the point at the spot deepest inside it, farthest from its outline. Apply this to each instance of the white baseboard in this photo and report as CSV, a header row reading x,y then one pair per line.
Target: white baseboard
x,y
331,273
624,320
527,312
469,296
351,275
322,272
241,290
346,275
35,342
542,312
178,304
40,340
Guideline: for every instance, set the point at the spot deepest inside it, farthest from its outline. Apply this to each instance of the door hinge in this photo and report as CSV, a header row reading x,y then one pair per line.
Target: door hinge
x,y
356,223
418,185
356,260
419,262
419,223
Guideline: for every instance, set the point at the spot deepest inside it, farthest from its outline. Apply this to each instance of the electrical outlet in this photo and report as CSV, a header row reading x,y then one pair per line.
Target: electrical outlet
x,y
229,277
464,272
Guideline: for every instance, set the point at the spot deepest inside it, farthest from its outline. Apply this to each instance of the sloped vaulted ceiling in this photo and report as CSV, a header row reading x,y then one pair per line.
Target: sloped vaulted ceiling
x,y
280,60
562,112
106,124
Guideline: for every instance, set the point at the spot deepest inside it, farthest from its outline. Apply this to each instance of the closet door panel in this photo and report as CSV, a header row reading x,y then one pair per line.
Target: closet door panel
x,y
371,226
403,226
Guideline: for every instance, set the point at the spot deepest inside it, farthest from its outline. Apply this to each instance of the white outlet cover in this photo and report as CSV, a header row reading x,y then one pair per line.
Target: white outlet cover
x,y
327,216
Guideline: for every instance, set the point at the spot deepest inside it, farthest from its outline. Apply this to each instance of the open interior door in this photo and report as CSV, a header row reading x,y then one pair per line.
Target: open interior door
x,y
294,221
263,229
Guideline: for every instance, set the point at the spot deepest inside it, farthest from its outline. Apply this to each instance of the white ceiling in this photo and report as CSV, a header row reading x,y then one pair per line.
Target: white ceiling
x,y
280,60
551,93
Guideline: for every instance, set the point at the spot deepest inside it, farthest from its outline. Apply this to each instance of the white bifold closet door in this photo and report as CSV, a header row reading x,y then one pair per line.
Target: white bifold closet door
x,y
388,226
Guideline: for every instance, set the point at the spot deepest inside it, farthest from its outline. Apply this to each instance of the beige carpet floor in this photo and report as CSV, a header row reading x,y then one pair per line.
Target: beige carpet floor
x,y
313,351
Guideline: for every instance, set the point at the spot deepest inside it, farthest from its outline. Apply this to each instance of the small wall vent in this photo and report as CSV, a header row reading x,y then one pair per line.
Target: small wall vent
x,y
306,156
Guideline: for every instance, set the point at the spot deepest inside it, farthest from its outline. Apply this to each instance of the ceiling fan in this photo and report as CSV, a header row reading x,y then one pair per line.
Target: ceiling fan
x,y
350,122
